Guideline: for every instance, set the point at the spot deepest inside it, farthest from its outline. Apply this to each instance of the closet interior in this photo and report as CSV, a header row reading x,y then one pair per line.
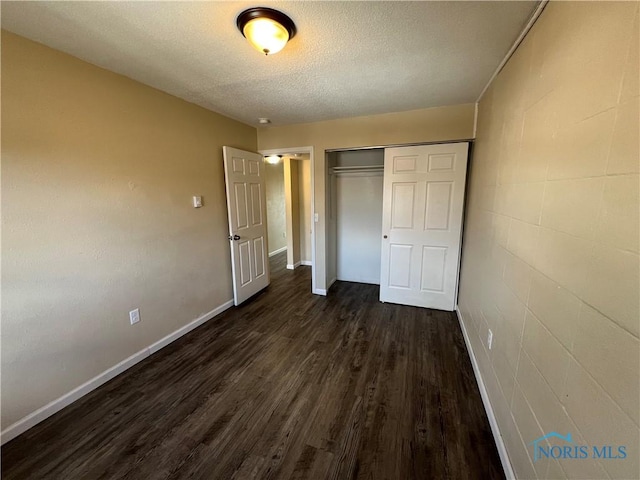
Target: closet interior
x,y
355,197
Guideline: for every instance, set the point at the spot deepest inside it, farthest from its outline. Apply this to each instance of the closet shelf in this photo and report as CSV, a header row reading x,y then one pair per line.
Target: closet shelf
x,y
358,169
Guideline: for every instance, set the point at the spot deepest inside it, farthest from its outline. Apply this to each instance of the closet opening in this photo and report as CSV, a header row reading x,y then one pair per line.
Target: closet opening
x,y
395,220
355,193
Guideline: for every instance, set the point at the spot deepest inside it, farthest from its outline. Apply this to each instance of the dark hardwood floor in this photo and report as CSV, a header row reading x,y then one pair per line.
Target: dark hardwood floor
x,y
288,386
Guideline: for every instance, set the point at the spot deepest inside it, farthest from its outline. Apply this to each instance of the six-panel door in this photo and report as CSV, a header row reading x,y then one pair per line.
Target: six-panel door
x,y
246,205
422,224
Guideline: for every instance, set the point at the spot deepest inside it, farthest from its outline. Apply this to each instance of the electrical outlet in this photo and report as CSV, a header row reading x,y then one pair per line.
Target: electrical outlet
x,y
489,339
134,316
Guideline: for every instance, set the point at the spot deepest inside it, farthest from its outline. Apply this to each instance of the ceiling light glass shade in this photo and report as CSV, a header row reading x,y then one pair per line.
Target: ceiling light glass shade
x,y
266,35
273,159
268,30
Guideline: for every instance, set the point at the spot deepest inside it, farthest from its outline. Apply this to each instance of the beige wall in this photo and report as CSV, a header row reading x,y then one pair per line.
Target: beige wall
x,y
276,218
432,124
292,202
98,172
304,184
550,259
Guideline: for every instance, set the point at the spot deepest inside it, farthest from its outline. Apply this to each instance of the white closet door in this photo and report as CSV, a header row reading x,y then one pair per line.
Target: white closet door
x,y
359,227
422,224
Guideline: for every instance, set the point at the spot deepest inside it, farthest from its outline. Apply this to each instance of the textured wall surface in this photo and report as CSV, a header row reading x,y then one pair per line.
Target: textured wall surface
x,y
550,258
98,172
427,125
276,219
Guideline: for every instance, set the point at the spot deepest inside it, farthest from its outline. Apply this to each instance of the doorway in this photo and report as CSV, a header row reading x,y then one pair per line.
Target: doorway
x,y
289,178
355,216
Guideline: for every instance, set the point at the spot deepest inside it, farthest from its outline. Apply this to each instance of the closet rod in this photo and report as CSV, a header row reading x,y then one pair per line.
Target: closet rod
x,y
358,168
379,169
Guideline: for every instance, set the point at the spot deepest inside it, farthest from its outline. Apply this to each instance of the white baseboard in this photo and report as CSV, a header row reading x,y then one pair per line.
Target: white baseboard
x,y
368,281
280,250
323,291
497,436
294,266
153,348
24,424
31,420
306,263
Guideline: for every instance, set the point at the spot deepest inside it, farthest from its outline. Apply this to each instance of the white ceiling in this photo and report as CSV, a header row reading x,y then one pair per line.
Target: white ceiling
x,y
348,58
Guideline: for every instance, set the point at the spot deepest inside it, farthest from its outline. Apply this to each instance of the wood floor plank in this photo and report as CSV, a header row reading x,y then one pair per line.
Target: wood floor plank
x,y
287,386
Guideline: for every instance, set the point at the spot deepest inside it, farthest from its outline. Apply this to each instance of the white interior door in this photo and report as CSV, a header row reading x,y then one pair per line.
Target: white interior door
x,y
247,206
422,224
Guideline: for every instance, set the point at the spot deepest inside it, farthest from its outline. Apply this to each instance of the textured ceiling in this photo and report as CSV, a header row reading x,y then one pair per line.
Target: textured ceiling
x,y
348,58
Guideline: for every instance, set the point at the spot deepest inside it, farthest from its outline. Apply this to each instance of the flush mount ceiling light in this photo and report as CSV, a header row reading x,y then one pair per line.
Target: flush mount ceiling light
x,y
268,30
273,159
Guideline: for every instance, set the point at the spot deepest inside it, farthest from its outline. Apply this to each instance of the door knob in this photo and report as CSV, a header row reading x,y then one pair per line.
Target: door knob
x,y
234,237
384,236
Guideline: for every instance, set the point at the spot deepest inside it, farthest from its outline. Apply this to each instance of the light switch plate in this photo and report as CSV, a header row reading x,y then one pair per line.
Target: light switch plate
x,y
197,202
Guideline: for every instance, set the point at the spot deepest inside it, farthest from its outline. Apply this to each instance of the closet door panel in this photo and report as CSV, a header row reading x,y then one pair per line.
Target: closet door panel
x,y
438,211
426,219
403,200
433,268
400,265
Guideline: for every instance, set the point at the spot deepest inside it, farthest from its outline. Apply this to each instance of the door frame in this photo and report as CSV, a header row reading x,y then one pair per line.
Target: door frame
x,y
309,150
